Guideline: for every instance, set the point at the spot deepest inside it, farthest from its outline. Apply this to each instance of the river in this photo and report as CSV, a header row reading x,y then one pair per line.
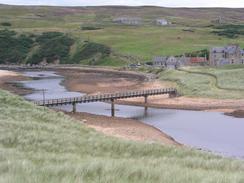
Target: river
x,y
210,131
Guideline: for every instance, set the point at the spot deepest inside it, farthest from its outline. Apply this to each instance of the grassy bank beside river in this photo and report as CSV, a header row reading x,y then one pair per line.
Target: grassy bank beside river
x,y
39,145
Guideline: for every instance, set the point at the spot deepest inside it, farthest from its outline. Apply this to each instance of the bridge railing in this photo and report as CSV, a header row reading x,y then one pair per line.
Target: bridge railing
x,y
105,97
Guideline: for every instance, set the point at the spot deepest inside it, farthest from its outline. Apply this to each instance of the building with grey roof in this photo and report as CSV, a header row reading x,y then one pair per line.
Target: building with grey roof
x,y
231,54
128,20
171,62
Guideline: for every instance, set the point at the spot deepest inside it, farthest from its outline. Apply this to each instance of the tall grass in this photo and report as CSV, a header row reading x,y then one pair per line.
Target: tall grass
x,y
39,145
229,77
221,83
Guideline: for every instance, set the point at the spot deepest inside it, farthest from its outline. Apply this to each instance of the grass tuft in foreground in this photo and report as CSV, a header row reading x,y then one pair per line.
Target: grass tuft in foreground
x,y
38,145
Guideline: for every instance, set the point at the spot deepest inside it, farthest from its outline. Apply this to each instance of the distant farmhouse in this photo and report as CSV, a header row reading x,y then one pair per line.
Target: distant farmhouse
x,y
128,20
231,54
162,22
220,20
172,62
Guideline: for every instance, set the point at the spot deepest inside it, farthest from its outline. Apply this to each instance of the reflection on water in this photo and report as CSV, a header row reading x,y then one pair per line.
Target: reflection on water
x,y
48,86
207,130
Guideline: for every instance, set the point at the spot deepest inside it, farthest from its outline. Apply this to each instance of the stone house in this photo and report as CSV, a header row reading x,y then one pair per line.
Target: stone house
x,y
176,62
128,20
231,54
159,61
170,62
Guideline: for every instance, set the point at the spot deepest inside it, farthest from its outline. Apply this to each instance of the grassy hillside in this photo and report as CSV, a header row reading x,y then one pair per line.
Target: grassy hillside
x,y
38,145
128,43
224,83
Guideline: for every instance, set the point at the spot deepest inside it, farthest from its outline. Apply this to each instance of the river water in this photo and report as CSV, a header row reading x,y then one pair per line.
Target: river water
x,y
211,131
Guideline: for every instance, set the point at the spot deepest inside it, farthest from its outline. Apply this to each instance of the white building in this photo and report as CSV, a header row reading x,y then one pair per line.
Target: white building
x,y
162,22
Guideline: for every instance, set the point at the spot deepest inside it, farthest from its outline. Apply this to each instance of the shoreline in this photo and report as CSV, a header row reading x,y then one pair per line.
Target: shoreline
x,y
125,128
128,129
8,81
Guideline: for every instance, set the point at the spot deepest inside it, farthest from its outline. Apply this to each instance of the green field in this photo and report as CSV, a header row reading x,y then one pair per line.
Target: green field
x,y
38,145
128,43
223,83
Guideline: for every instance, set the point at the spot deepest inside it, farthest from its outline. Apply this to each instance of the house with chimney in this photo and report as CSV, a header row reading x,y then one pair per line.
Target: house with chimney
x,y
172,62
231,54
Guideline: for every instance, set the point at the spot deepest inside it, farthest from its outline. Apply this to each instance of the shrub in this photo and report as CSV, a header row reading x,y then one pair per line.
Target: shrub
x,y
6,24
89,50
90,28
13,48
52,46
229,31
200,53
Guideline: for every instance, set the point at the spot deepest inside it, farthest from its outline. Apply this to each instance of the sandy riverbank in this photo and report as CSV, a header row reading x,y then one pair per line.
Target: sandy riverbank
x,y
7,79
124,128
104,80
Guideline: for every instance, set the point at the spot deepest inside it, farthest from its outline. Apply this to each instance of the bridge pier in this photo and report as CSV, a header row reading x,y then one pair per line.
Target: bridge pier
x,y
74,107
112,108
145,101
173,95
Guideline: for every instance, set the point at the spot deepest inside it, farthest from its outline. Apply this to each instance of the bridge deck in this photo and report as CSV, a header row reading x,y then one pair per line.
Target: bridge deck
x,y
105,97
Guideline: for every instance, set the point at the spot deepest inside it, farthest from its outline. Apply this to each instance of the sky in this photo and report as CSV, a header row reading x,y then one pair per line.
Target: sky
x,y
165,3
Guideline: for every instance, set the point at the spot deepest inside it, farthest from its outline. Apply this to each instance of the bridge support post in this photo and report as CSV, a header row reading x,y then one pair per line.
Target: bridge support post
x,y
74,107
145,101
112,108
173,95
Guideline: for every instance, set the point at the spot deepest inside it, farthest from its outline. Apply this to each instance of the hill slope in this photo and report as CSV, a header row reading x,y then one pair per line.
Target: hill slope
x,y
38,145
191,28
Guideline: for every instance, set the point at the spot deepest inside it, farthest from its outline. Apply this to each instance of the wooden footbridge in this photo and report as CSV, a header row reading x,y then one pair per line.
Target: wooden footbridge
x,y
110,97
